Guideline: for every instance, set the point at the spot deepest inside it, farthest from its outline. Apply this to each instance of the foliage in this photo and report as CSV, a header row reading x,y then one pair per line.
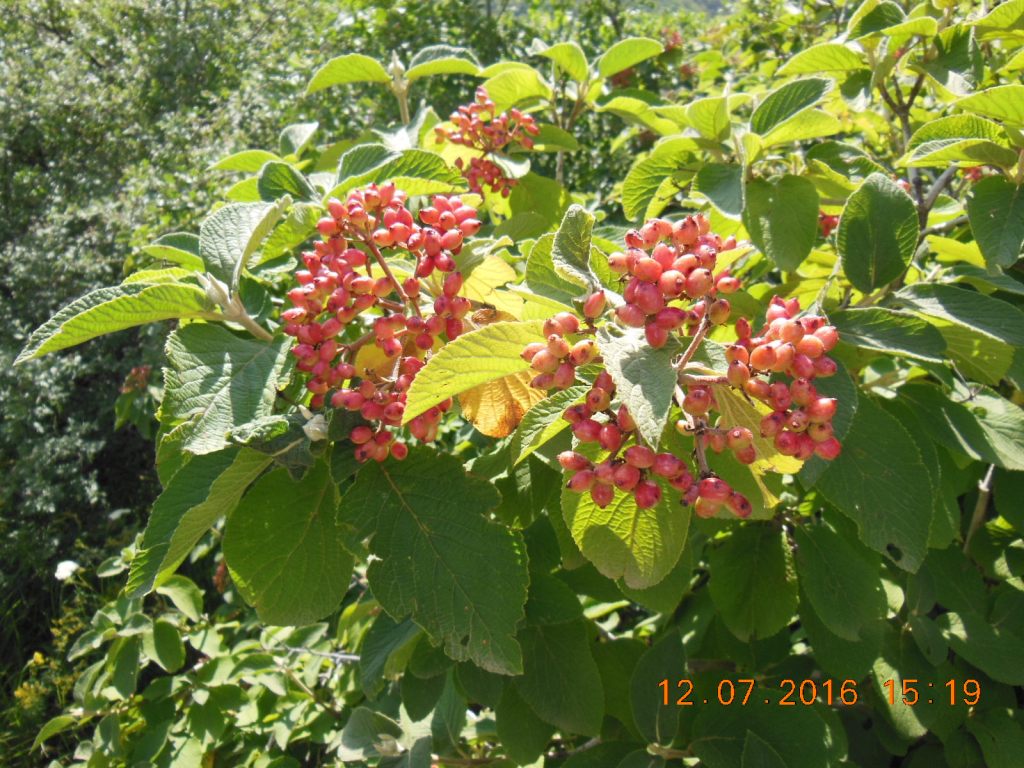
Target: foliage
x,y
455,603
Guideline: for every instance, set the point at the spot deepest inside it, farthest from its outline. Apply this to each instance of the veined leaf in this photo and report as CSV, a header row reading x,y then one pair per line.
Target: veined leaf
x,y
543,421
350,68
995,210
569,57
782,218
1003,102
414,171
642,189
877,234
442,60
231,235
477,357
246,161
788,101
570,250
627,53
889,331
497,407
824,57
107,310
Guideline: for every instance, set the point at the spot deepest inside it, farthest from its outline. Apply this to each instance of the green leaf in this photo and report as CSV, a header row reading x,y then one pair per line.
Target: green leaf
x,y
246,161
722,185
809,124
882,485
786,102
488,353
627,53
995,210
709,117
283,545
1004,21
560,680
385,651
842,581
107,310
874,17
570,250
543,422
350,68
958,138
442,60
278,180
889,331
205,489
523,735
877,233
53,726
666,659
823,57
993,650
644,377
782,219
758,753
231,235
981,314
364,732
419,531
551,138
177,247
185,596
163,645
648,187
1000,736
296,138
569,57
753,583
415,171
987,427
515,86
217,380
1003,102
640,546
542,279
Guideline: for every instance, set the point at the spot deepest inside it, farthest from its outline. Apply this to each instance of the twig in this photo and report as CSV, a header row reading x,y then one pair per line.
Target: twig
x,y
391,277
695,343
944,226
984,492
935,191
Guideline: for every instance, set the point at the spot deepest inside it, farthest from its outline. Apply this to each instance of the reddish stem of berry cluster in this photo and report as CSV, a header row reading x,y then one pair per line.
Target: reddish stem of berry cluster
x,y
477,126
339,288
664,266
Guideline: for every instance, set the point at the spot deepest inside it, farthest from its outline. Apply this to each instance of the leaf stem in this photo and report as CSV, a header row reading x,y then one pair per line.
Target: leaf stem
x,y
695,342
978,517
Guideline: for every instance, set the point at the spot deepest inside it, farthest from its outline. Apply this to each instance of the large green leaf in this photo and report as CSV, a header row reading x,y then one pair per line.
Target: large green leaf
x,y
296,138
439,559
231,235
958,138
824,57
217,380
415,171
475,358
644,377
889,331
569,57
570,250
627,53
841,580
542,278
753,583
205,489
666,659
782,218
442,60
560,680
246,161
350,68
986,427
284,547
543,422
640,546
722,185
278,179
1004,102
993,650
786,102
523,734
1000,735
882,485
107,310
995,210
177,247
709,117
515,86
877,234
982,315
648,186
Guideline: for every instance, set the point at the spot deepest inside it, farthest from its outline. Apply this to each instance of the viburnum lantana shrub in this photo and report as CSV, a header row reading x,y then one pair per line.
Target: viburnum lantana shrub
x,y
723,470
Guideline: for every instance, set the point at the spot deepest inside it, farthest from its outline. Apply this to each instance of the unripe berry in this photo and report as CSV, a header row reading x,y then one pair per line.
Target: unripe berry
x,y
780,399
738,438
698,283
625,477
828,449
811,347
762,357
624,419
786,443
739,505
399,451
640,456
631,315
718,312
819,432
784,356
610,437
668,466
797,421
758,389
618,263
804,447
558,346
649,298
743,329
361,434
530,350
564,376
452,284
727,284
598,399
828,336
581,481
697,401
602,495
802,366
706,508
790,331
594,306
573,461
569,322
583,352
824,367
747,455
575,413
714,488
587,430
821,409
738,374
656,336
672,283
647,269
734,352
647,494
544,361
671,318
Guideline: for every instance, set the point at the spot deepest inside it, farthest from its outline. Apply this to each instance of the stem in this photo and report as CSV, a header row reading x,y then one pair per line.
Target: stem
x,y
254,328
362,341
689,379
695,342
984,492
700,449
944,226
935,191
391,278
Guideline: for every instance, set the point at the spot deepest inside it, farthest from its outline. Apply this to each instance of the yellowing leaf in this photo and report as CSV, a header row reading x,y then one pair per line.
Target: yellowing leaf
x,y
497,407
483,283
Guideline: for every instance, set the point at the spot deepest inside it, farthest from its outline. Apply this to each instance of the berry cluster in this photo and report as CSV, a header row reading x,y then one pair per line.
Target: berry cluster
x,y
666,262
665,265
477,126
827,223
346,276
137,379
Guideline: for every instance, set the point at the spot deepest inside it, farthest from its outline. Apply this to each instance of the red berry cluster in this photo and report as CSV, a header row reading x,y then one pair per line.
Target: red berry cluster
x,y
556,361
616,433
477,126
346,275
801,421
827,223
666,262
137,379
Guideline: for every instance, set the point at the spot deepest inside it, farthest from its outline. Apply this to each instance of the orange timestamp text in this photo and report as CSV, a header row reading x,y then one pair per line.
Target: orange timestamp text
x,y
741,692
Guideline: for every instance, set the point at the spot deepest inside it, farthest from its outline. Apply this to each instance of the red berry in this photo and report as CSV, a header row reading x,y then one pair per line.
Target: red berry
x,y
625,477
697,401
639,456
714,488
828,449
602,495
573,461
647,494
